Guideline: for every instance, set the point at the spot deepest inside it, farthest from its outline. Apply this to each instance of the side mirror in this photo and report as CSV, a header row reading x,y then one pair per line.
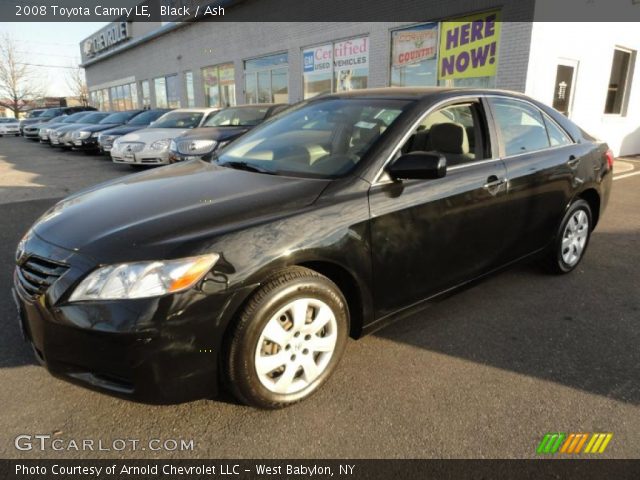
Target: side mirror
x,y
419,166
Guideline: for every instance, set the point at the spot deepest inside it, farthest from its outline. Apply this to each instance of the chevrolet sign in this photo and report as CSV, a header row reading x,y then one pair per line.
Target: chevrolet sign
x,y
106,38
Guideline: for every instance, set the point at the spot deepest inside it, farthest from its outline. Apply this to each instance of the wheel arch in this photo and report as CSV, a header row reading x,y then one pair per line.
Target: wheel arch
x,y
349,287
592,197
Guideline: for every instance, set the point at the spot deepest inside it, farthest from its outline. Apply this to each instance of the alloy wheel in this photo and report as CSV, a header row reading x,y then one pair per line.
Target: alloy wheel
x,y
574,237
296,346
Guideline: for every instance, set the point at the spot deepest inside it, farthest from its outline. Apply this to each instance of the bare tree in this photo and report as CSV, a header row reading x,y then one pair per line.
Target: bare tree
x,y
18,87
77,83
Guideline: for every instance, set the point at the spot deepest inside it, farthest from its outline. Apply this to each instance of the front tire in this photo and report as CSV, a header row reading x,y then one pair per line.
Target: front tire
x,y
288,340
572,238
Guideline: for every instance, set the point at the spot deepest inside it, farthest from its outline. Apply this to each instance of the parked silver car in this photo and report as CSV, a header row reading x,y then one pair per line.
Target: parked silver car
x,y
150,146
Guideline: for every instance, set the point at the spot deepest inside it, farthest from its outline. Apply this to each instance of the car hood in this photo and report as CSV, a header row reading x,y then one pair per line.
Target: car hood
x,y
71,126
30,121
100,127
219,134
160,213
123,130
150,135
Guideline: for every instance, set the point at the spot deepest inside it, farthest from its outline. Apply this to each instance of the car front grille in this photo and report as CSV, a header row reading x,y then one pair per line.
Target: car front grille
x,y
131,147
36,275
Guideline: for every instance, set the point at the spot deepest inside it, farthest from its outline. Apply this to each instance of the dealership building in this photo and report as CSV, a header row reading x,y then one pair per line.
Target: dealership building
x,y
588,71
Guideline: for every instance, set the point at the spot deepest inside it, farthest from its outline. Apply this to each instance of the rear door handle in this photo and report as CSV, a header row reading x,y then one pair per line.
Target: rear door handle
x,y
573,161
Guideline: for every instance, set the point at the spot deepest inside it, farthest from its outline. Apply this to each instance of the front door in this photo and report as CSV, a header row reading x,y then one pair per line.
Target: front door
x,y
430,235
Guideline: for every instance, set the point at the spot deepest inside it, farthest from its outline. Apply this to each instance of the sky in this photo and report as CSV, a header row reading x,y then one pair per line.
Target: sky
x,y
53,45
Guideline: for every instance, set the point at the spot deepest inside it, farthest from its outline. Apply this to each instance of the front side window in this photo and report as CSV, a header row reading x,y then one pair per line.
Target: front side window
x,y
319,139
179,120
456,131
521,125
619,81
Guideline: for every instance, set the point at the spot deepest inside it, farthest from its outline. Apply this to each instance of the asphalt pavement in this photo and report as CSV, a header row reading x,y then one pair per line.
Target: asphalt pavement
x,y
483,373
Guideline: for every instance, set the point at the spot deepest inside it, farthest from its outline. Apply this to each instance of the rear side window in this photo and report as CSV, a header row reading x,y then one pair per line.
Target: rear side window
x,y
557,136
521,126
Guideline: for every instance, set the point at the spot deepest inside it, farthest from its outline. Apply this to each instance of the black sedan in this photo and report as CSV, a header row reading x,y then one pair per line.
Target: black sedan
x,y
85,139
326,222
220,129
146,118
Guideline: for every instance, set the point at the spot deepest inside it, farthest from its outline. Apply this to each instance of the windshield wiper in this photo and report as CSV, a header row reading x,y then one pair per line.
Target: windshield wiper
x,y
247,167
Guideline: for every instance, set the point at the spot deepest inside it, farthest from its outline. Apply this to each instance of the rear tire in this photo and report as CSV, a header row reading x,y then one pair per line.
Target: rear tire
x,y
288,339
572,238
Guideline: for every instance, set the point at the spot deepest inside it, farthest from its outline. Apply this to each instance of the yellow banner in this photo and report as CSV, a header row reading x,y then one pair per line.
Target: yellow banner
x,y
469,46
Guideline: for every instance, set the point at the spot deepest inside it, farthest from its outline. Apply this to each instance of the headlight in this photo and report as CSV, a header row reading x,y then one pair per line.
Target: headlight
x,y
161,144
82,135
197,147
95,135
173,146
143,279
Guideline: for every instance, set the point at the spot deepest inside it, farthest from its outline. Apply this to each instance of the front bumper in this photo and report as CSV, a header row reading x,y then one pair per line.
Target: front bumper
x,y
10,131
157,350
32,134
144,157
86,145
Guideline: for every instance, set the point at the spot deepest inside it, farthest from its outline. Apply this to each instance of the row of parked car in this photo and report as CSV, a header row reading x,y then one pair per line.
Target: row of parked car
x,y
147,137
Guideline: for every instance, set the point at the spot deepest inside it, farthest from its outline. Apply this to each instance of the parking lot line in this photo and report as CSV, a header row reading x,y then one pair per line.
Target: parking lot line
x,y
632,174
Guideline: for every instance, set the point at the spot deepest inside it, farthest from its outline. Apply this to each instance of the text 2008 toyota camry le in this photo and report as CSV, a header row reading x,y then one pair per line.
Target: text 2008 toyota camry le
x,y
320,224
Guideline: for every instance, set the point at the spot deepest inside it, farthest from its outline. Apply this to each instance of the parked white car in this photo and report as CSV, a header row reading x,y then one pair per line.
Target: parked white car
x,y
9,126
150,146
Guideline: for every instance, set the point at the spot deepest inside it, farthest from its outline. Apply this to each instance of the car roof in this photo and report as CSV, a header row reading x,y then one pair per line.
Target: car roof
x,y
413,93
195,110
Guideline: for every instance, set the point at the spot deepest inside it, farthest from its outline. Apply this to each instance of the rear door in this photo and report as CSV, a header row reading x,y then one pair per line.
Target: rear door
x,y
429,235
541,161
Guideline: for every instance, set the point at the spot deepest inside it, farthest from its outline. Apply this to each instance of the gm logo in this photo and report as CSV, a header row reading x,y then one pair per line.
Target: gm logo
x,y
573,443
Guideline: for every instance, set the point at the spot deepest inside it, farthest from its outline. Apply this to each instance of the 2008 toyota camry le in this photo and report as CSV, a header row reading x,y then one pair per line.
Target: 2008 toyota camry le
x,y
250,271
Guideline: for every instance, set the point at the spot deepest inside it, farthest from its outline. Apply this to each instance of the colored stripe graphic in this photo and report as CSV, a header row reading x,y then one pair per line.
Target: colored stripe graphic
x,y
550,443
572,443
598,443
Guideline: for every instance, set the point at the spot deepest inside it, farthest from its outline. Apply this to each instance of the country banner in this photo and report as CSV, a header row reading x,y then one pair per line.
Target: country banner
x,y
414,45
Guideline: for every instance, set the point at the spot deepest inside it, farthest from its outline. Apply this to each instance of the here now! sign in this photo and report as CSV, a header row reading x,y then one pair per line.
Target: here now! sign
x,y
469,46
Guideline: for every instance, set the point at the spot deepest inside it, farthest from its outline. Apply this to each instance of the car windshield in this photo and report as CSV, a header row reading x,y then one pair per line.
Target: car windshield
x,y
51,113
75,117
59,118
95,118
120,117
179,120
35,113
319,139
145,118
240,116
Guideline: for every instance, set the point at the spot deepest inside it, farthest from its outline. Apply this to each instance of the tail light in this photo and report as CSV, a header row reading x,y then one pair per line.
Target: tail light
x,y
609,156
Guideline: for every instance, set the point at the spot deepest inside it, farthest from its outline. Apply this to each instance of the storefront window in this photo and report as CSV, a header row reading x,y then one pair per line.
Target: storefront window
x,y
146,94
414,53
188,83
336,67
219,85
173,91
134,96
267,79
160,86
126,95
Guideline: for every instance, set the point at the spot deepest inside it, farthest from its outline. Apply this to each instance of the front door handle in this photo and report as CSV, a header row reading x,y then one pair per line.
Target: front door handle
x,y
573,161
494,183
